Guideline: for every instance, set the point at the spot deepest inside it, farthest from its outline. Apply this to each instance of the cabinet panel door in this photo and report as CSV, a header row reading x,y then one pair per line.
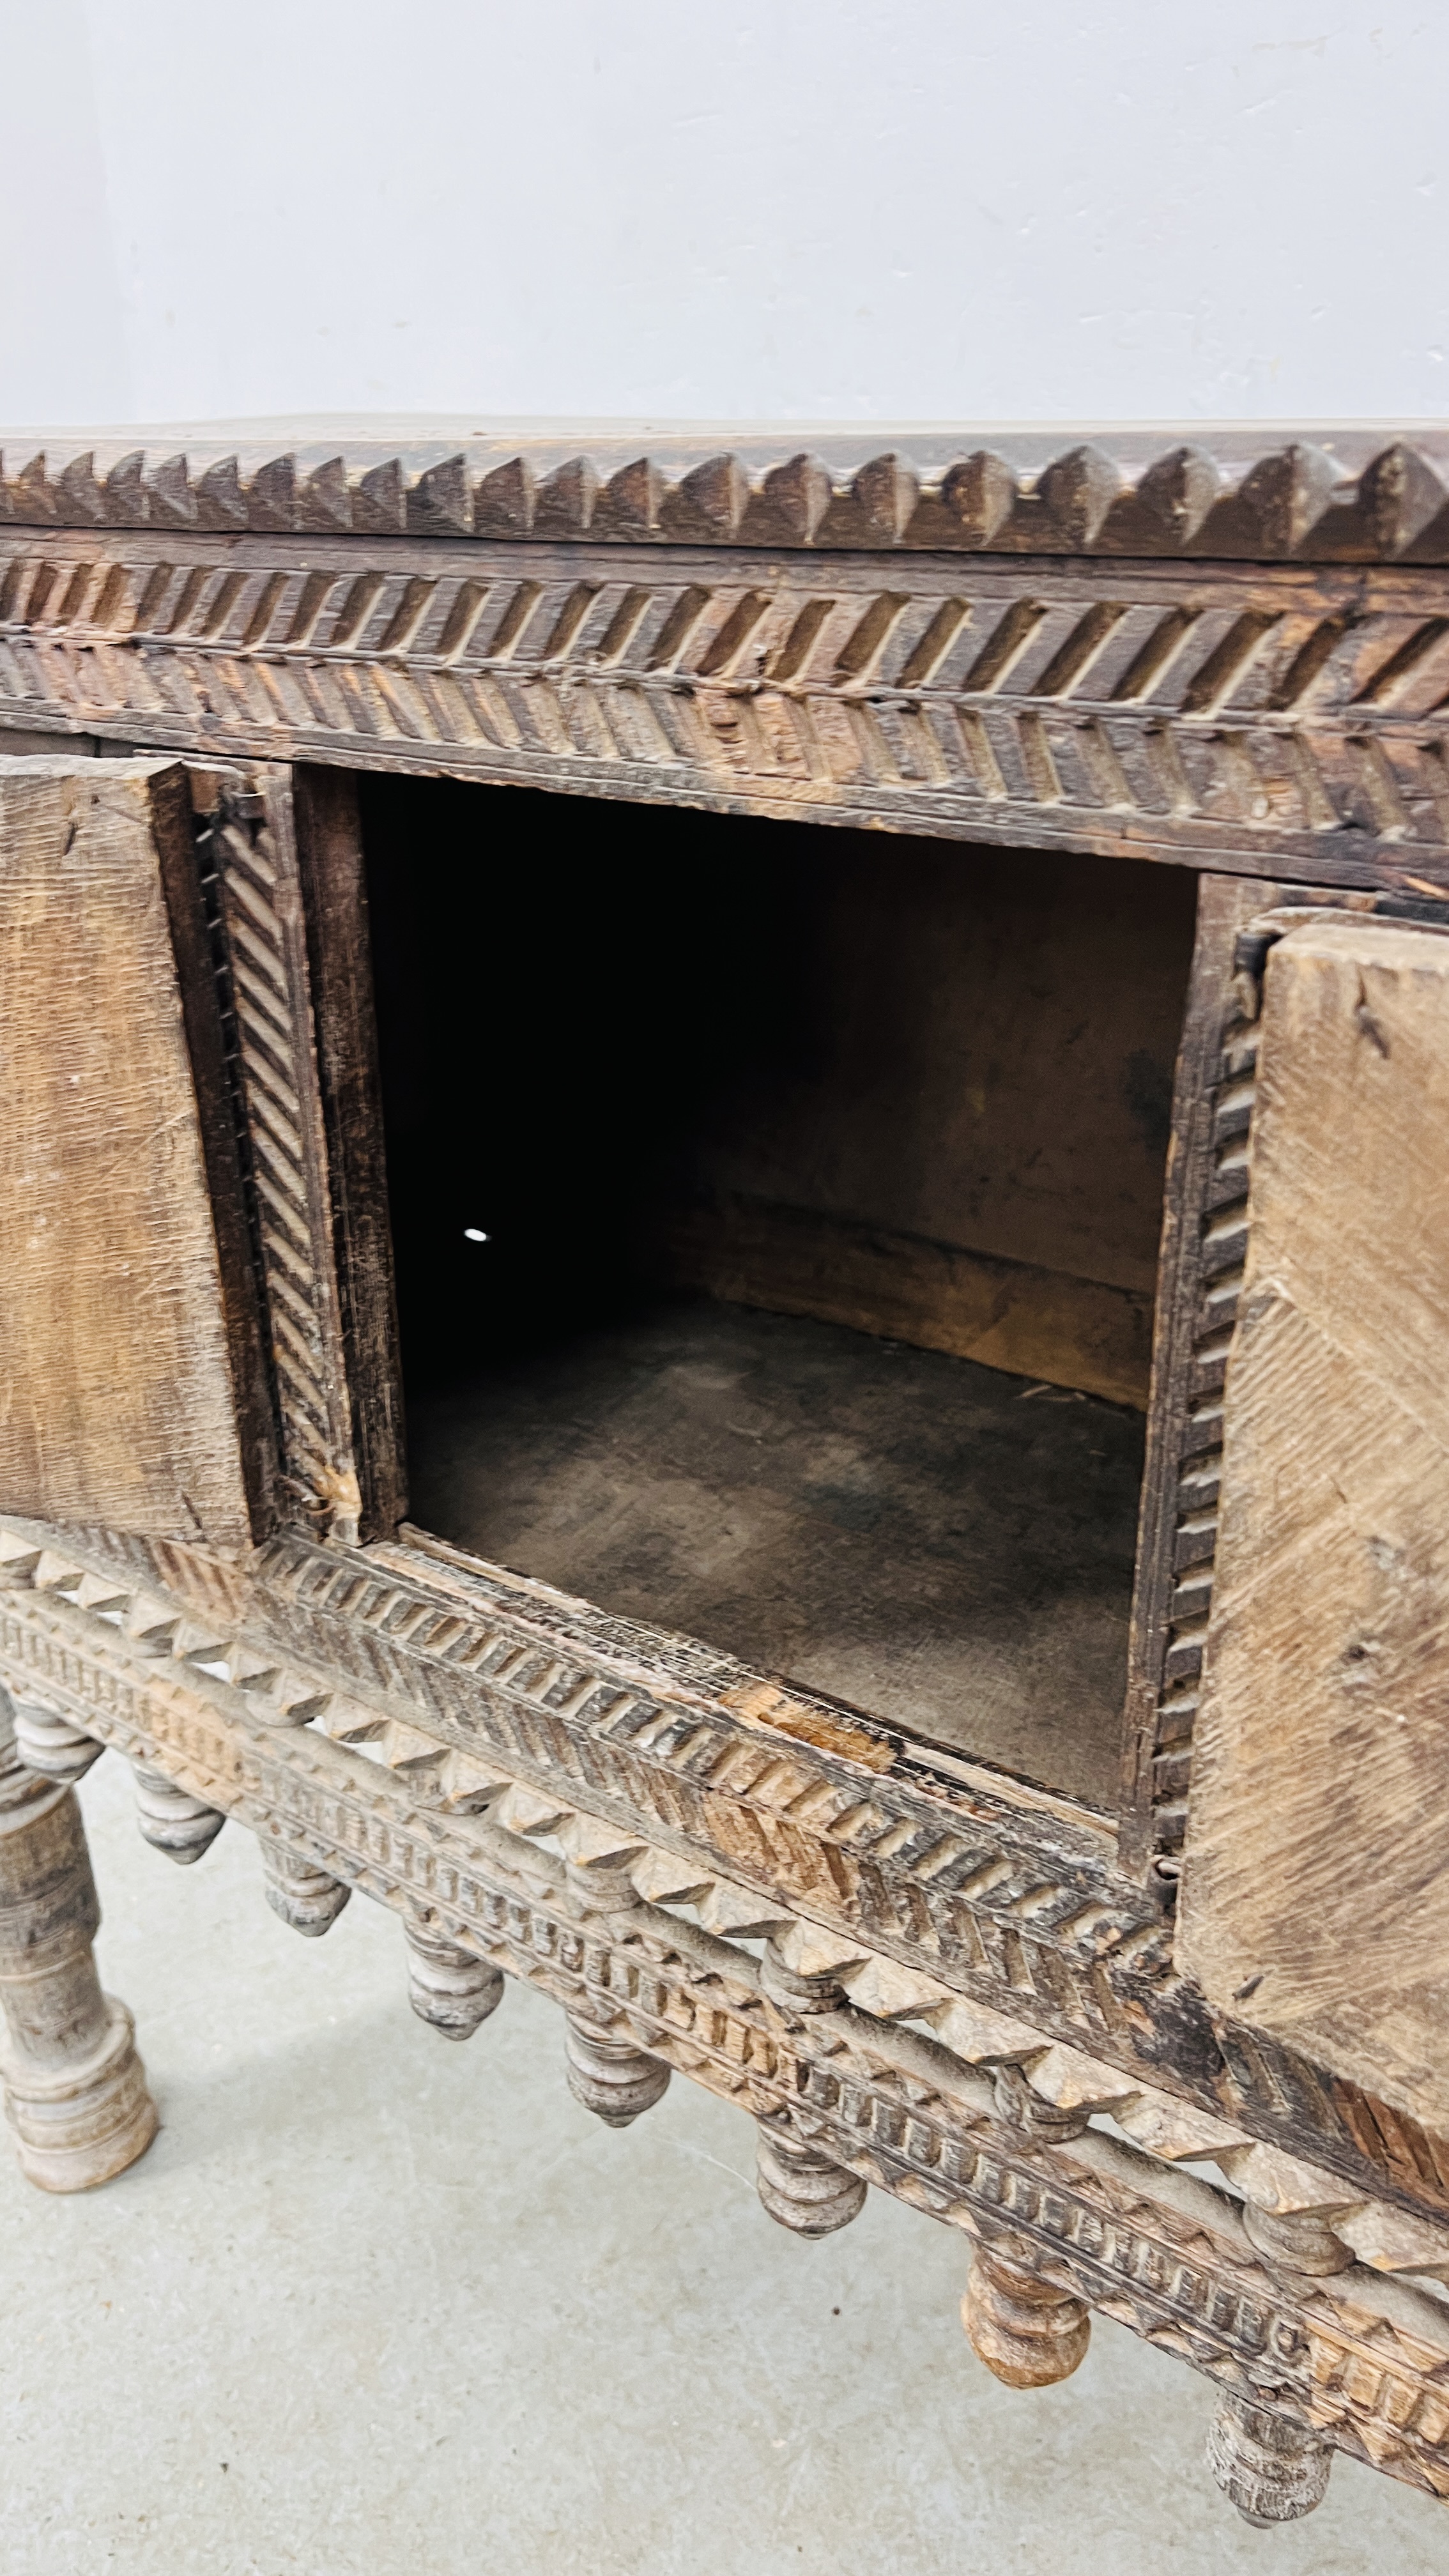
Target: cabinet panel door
x,y
133,1380
1315,1901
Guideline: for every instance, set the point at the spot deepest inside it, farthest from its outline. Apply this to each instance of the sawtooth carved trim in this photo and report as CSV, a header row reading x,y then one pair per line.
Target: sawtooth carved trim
x,y
1286,722
1327,495
1356,2359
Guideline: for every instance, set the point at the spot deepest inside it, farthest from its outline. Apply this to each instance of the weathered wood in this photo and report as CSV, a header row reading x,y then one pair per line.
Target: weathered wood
x,y
453,1990
802,2189
1017,1316
136,1386
1003,1894
49,1743
1362,2362
307,1898
1194,1317
928,1540
1315,1898
607,2073
718,635
1266,2465
251,876
1028,2331
1256,721
1325,494
329,850
171,1820
74,2088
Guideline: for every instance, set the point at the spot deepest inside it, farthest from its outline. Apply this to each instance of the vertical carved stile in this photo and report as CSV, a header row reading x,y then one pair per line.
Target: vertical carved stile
x,y
1200,1271
250,861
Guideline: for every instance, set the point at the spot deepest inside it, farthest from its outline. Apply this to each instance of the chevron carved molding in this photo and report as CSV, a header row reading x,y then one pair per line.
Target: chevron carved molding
x,y
247,852
1006,1901
1291,721
890,2075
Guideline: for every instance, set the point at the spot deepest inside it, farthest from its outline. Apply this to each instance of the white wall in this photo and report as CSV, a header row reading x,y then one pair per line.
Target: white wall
x,y
821,208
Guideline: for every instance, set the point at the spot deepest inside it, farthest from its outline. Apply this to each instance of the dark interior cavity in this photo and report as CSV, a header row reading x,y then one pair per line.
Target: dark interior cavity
x,y
821,1177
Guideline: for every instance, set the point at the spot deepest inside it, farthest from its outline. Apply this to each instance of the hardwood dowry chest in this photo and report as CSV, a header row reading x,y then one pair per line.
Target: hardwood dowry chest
x,y
830,1444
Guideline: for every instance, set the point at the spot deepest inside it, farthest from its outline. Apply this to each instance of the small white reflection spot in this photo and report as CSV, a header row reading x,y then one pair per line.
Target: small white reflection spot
x,y
474,1234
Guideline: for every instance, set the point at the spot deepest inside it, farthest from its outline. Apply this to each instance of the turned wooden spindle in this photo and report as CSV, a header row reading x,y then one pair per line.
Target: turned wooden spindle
x,y
51,1743
1302,2239
802,2188
171,1820
451,1989
1273,2470
610,2076
797,1995
1026,2330
74,2088
1019,2104
308,1898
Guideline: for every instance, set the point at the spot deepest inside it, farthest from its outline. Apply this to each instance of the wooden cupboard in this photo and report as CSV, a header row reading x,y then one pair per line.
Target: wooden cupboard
x,y
827,1442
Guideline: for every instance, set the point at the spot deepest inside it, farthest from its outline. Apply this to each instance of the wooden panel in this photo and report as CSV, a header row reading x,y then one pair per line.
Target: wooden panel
x,y
949,1046
1011,1315
134,1384
1316,1890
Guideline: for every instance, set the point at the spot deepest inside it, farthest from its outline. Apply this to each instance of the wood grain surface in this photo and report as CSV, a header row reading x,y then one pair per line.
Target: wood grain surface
x,y
339,948
1316,1895
132,1385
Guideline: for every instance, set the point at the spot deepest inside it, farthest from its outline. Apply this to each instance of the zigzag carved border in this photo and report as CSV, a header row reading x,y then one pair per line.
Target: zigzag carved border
x,y
1283,722
939,1867
1361,2359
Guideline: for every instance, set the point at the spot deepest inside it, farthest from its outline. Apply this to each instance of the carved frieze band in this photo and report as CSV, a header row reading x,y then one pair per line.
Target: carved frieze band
x,y
463,1853
930,1868
1271,721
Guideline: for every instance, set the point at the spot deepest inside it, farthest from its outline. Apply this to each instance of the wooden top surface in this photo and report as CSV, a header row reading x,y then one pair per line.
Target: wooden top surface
x,y
1327,492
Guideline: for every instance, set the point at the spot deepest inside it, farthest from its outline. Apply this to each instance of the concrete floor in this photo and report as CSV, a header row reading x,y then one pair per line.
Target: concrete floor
x,y
374,2304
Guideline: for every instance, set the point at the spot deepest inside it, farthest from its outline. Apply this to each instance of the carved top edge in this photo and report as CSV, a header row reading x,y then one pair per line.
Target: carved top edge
x,y
1334,492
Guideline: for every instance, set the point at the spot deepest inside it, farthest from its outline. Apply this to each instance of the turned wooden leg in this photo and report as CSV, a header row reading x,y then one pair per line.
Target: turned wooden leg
x,y
74,2087
611,2076
49,1742
308,1898
171,1820
1025,2329
800,2187
453,1990
1271,2469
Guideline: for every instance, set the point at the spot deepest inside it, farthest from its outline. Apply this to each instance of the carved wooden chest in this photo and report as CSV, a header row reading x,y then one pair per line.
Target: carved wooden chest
x,y
910,1584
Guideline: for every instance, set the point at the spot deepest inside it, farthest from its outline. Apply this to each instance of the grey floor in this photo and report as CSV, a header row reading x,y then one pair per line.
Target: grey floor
x,y
375,2304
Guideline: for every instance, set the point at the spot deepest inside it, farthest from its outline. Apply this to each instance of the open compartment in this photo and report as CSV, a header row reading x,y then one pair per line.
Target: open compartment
x,y
776,1214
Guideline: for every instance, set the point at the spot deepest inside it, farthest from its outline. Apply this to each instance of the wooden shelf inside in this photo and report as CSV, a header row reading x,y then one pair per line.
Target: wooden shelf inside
x,y
939,1543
